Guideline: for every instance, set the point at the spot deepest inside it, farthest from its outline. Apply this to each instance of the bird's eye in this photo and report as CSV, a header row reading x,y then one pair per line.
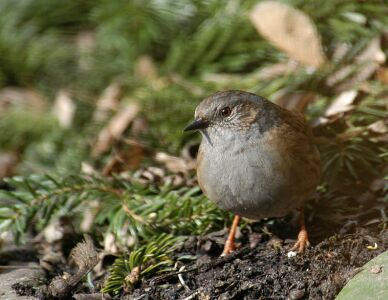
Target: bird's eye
x,y
226,111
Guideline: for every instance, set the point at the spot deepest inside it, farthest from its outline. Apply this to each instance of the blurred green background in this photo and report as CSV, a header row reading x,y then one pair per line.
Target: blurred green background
x,y
165,56
105,87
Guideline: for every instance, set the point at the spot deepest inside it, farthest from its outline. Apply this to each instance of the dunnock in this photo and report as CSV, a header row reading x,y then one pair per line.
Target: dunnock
x,y
256,159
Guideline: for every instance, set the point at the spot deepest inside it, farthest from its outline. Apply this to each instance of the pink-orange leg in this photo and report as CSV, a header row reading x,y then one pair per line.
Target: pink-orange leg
x,y
229,244
303,238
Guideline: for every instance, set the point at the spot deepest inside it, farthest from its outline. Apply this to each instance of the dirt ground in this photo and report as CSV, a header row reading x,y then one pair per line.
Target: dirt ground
x,y
264,271
261,268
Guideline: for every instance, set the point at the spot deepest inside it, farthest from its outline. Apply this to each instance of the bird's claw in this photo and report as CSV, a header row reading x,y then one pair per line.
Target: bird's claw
x,y
302,243
228,249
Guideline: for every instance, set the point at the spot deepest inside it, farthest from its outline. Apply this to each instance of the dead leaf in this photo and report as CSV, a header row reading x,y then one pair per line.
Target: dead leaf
x,y
108,102
296,101
53,232
342,103
22,98
362,74
363,67
64,108
378,127
88,169
372,52
8,162
126,159
175,180
110,245
175,164
290,30
115,128
150,175
114,244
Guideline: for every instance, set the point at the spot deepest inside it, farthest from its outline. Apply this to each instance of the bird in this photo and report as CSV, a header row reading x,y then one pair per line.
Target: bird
x,y
256,159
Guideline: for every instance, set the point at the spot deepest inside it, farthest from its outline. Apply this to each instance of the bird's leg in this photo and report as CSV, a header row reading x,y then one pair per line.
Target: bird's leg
x,y
303,239
229,244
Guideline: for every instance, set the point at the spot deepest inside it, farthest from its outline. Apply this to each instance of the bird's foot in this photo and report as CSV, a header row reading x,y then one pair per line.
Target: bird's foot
x,y
228,248
302,243
229,244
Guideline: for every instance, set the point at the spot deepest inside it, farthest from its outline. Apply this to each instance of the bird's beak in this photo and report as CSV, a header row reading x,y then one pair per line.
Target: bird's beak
x,y
197,124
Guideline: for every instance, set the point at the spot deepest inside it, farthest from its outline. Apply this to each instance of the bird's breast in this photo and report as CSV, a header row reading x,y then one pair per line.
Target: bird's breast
x,y
244,176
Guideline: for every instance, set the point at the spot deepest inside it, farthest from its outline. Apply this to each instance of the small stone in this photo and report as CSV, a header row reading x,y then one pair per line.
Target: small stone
x,y
291,254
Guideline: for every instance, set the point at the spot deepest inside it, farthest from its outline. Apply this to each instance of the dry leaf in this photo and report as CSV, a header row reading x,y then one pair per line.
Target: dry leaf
x,y
372,52
378,127
114,244
341,104
296,101
87,168
149,175
366,64
115,128
64,108
175,164
53,232
8,162
290,30
126,159
108,102
362,74
110,245
21,98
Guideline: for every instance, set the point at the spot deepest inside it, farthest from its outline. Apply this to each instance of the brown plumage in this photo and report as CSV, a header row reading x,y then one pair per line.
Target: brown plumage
x,y
256,159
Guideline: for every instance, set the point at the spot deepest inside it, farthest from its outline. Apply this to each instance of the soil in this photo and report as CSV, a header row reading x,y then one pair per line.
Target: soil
x,y
261,267
266,272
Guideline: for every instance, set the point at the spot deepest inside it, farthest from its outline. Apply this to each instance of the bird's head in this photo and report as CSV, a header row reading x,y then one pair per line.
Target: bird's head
x,y
229,112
